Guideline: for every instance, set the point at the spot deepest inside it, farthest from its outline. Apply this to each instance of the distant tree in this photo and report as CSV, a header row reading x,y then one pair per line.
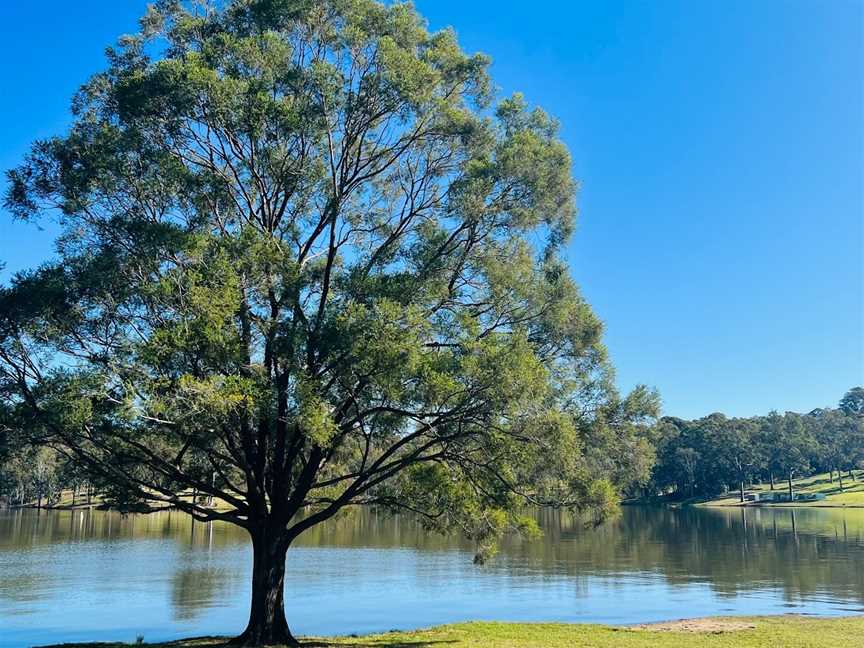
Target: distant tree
x,y
663,474
708,436
619,438
771,430
849,433
688,460
6,482
72,475
840,441
737,446
10,444
5,433
43,470
307,264
828,448
795,447
852,402
764,446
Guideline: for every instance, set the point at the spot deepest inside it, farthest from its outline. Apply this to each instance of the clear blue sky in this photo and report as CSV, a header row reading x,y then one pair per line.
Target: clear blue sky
x,y
720,149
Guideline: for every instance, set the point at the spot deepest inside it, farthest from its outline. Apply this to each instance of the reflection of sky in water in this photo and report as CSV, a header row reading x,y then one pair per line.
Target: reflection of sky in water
x,y
98,576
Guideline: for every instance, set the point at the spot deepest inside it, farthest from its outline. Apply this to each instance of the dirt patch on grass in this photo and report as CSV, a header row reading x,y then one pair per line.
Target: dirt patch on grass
x,y
714,626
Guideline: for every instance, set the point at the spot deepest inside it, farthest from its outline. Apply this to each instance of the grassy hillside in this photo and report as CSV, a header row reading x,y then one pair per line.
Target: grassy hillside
x,y
756,632
851,495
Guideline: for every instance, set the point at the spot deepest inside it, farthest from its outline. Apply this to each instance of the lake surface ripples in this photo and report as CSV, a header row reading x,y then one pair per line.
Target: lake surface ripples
x,y
99,576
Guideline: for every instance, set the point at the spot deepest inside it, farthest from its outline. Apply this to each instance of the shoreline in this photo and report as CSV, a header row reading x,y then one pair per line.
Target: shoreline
x,y
714,504
781,506
832,493
654,503
778,631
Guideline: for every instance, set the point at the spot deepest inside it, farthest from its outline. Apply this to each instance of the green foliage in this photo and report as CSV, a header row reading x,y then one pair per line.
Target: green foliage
x,y
852,403
713,454
307,262
839,439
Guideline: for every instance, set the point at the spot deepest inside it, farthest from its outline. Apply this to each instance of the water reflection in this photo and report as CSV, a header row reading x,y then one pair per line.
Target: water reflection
x,y
89,575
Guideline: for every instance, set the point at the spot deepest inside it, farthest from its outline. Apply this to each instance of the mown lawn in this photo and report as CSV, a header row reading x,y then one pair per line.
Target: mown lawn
x,y
851,495
737,632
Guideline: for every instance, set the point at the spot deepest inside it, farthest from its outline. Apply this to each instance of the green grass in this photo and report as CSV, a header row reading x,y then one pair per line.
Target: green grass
x,y
851,495
737,632
65,501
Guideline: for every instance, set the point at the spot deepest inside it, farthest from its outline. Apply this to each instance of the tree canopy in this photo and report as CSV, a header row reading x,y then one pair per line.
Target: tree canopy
x,y
852,402
309,261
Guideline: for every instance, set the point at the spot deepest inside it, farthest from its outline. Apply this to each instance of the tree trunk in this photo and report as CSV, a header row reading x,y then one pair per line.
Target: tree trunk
x,y
212,485
741,491
267,625
791,492
840,477
771,478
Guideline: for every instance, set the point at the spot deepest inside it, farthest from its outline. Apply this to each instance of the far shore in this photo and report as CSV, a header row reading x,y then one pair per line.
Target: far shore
x,y
786,505
728,503
737,504
783,631
850,495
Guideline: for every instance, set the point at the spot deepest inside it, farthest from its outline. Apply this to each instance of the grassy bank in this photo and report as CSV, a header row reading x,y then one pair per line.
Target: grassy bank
x,y
67,500
734,632
852,494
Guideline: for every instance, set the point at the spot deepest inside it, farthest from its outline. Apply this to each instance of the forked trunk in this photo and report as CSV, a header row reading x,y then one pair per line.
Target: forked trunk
x,y
267,624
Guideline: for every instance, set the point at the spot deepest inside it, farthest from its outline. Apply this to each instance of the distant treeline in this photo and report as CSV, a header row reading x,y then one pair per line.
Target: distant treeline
x,y
699,458
717,454
38,476
34,474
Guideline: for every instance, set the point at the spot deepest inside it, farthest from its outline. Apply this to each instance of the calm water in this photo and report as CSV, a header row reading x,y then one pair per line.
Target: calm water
x,y
74,576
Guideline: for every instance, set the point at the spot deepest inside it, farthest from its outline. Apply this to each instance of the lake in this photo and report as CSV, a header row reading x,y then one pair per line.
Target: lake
x,y
94,575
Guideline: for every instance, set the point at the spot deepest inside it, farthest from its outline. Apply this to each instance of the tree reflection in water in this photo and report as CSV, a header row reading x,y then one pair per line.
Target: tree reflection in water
x,y
163,566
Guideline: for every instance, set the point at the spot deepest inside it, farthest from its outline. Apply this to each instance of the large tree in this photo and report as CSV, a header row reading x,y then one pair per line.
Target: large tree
x,y
308,262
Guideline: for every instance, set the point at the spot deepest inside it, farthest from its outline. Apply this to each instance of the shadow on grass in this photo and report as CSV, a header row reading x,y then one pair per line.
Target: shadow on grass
x,y
847,488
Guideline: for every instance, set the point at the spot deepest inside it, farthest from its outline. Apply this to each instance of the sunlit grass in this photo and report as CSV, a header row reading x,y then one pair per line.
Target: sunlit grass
x,y
851,495
755,632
